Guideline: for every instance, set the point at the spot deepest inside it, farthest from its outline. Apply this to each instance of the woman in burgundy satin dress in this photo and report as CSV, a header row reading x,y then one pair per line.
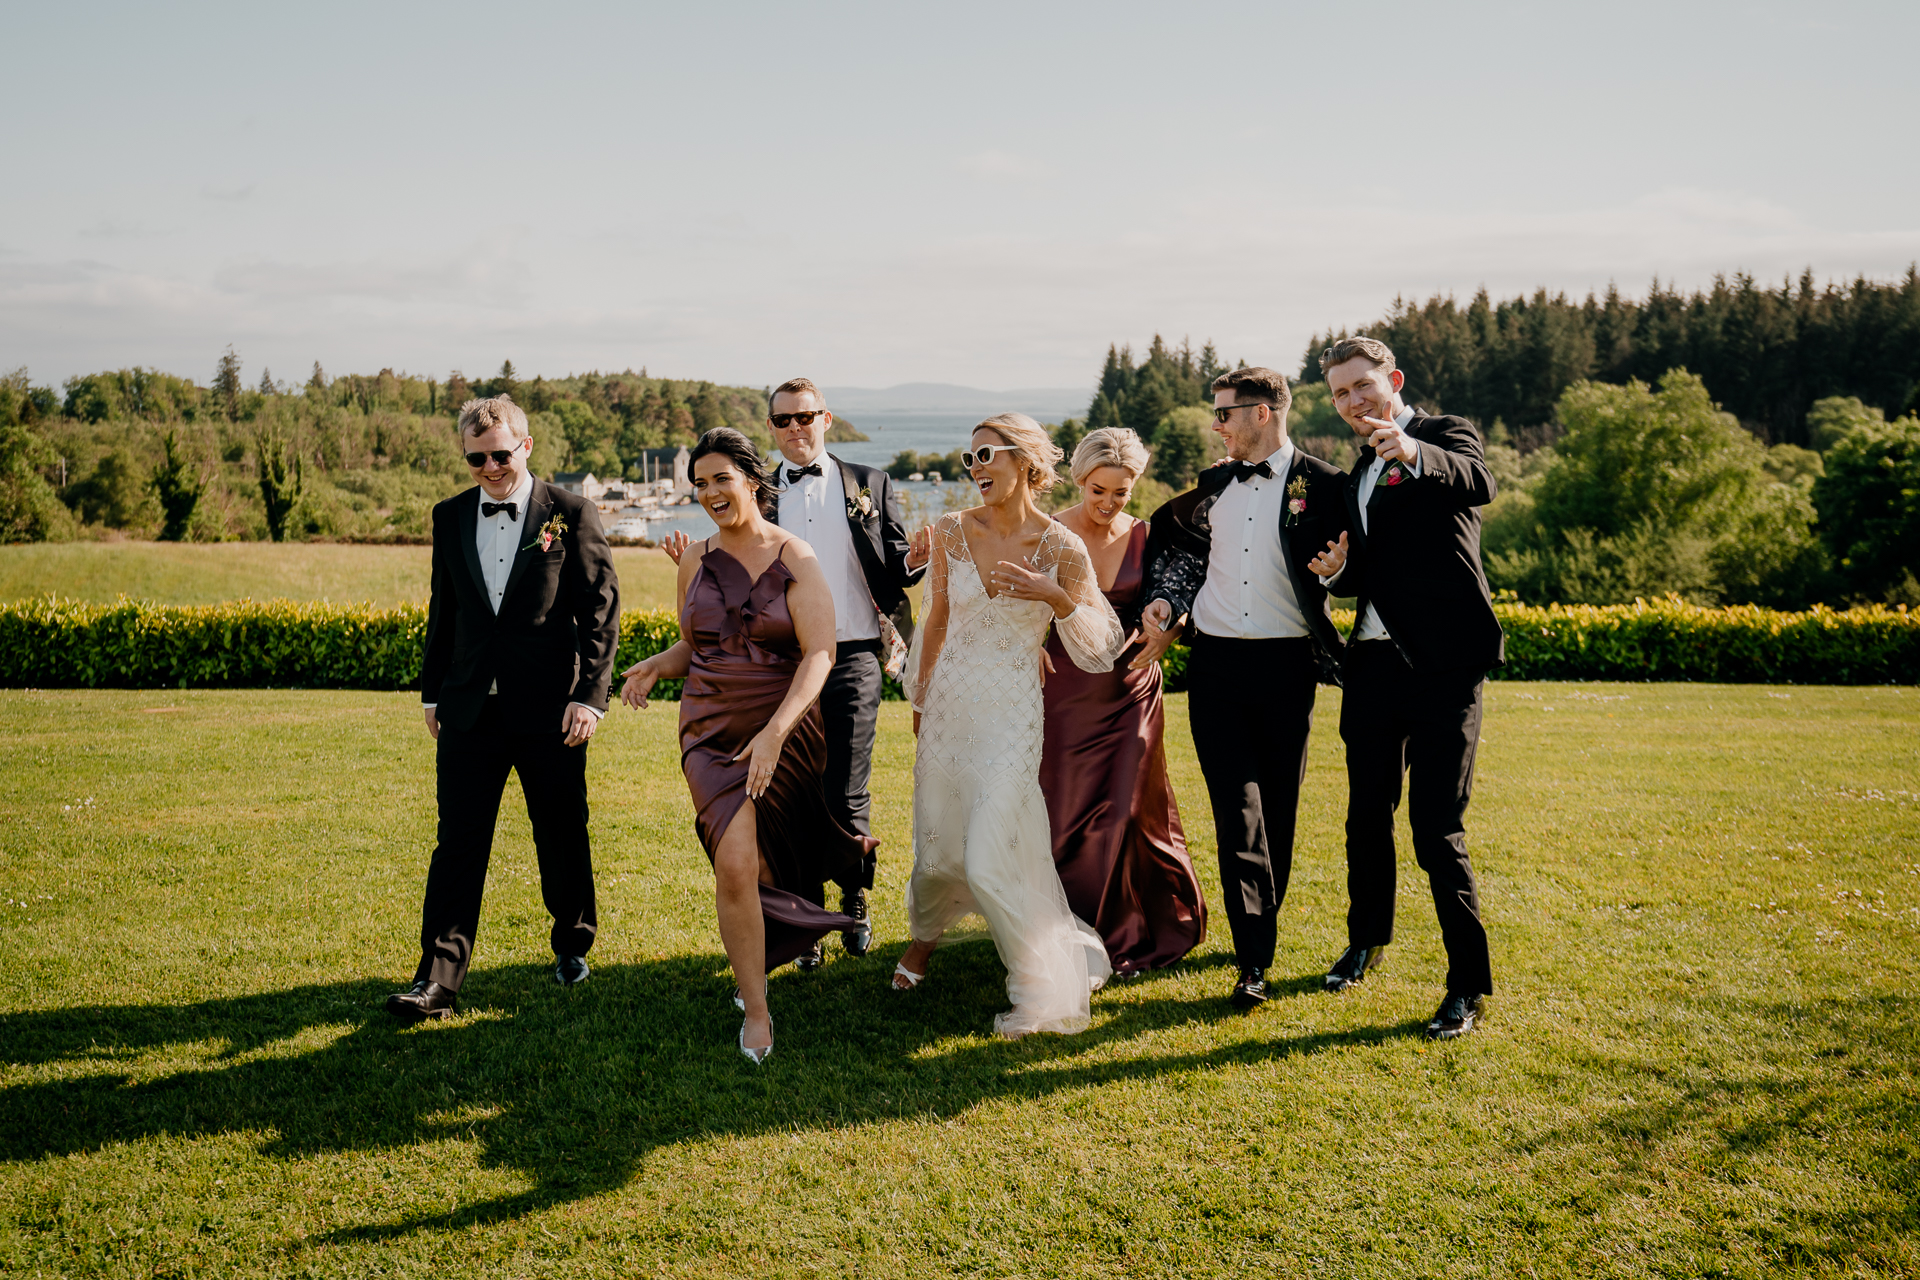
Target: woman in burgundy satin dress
x,y
756,626
1117,840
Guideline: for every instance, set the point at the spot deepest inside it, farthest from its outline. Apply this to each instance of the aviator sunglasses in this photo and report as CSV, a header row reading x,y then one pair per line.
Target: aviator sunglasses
x,y
804,418
499,456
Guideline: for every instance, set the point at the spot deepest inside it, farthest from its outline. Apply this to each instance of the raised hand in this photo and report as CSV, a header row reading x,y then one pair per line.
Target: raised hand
x,y
1022,582
1391,443
675,544
920,547
1332,560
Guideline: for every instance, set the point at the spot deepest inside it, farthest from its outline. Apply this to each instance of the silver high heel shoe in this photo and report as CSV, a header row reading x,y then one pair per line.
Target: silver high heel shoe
x,y
755,1056
740,1001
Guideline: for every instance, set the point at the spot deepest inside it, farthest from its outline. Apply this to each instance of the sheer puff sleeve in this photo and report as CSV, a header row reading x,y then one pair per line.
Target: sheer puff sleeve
x,y
931,634
1091,634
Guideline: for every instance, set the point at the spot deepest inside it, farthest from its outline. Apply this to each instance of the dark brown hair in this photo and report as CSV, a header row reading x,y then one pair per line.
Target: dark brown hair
x,y
742,453
1348,348
1257,385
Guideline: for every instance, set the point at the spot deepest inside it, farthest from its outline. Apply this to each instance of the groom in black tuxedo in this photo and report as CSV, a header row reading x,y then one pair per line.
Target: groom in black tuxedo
x,y
848,514
522,626
1424,638
1232,559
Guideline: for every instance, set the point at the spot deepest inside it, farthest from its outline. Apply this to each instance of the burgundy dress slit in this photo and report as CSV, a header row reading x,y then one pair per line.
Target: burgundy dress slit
x,y
745,654
1117,840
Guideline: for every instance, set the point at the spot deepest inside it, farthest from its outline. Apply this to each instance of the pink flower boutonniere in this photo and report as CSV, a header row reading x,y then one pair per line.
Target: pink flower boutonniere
x,y
1396,474
1296,500
548,532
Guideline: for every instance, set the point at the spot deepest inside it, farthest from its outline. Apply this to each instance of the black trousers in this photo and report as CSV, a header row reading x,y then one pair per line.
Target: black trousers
x,y
472,767
1250,703
1398,725
850,705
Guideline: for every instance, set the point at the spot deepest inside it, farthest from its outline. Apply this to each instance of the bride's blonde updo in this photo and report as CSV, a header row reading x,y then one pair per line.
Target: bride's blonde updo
x,y
1031,444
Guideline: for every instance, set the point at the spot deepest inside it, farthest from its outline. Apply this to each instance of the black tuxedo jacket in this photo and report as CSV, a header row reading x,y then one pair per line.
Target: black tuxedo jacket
x,y
1180,540
879,539
554,638
1419,562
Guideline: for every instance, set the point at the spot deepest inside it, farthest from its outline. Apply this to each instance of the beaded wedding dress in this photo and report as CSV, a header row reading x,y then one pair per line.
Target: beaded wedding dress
x,y
981,841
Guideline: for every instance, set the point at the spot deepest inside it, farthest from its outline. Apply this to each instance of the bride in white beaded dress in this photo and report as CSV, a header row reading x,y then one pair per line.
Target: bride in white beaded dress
x,y
981,840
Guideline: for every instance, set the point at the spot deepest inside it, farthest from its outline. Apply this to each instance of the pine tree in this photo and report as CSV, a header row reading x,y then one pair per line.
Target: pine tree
x,y
504,383
226,384
318,382
279,469
266,382
178,485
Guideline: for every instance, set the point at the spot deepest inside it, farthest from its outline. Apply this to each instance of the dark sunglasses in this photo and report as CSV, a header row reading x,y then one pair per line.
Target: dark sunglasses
x,y
499,456
983,455
1221,415
805,419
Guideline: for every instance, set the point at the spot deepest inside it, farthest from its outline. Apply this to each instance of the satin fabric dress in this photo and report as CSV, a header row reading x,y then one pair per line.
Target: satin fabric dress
x,y
745,654
1117,839
980,823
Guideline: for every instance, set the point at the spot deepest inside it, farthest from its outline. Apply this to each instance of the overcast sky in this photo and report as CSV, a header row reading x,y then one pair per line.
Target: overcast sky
x,y
984,194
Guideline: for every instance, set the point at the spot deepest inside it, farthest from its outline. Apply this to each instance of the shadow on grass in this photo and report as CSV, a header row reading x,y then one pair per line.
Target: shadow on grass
x,y
571,1088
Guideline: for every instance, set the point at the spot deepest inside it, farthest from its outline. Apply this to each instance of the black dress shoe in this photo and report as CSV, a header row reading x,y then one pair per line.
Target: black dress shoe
x,y
858,942
426,1000
570,971
1352,967
808,961
1456,1016
1251,991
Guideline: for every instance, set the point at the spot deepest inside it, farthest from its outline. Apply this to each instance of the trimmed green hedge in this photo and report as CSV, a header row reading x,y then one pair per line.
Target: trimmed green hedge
x,y
55,644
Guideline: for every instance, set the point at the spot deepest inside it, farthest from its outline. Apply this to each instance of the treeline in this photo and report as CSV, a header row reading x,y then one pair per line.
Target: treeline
x,y
1765,354
363,456
1789,476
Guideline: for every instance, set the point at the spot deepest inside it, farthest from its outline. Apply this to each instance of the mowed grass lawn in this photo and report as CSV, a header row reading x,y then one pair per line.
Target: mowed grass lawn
x,y
212,572
1705,910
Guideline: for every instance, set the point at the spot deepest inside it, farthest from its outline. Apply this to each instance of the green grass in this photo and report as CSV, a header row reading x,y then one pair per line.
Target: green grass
x,y
1705,909
210,573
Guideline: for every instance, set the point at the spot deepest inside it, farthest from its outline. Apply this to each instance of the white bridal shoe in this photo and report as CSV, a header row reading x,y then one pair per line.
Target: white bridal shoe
x,y
755,1056
913,979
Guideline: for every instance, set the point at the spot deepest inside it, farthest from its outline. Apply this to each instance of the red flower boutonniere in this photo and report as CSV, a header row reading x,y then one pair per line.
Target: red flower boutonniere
x,y
1396,474
548,532
1296,500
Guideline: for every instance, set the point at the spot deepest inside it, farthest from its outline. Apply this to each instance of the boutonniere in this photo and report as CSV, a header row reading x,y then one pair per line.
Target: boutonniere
x,y
548,532
1396,474
1296,499
860,506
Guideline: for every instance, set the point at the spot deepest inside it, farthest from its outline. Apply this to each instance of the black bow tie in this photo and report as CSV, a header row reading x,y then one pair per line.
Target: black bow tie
x,y
794,473
490,508
1244,471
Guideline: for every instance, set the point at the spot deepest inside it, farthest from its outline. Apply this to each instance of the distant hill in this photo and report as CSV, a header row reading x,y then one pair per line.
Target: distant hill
x,y
1046,403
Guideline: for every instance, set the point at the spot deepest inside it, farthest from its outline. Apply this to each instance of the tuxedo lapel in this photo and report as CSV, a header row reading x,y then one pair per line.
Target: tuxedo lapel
x,y
1299,468
467,523
1355,525
539,505
863,530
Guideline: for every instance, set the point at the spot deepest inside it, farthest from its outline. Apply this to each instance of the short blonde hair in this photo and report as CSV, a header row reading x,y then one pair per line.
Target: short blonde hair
x,y
477,417
1109,447
1031,444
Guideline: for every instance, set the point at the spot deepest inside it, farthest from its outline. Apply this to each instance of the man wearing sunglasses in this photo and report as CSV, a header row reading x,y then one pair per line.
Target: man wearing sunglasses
x,y
1232,560
522,623
848,514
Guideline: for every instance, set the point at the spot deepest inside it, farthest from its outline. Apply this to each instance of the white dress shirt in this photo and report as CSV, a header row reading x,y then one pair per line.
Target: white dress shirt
x,y
1370,627
498,538
814,509
1248,594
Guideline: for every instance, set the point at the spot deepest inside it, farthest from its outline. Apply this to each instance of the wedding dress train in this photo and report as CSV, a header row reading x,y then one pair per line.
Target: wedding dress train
x,y
981,839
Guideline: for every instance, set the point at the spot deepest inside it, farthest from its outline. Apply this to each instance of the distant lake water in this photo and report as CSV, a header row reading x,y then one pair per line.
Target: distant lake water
x,y
888,434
